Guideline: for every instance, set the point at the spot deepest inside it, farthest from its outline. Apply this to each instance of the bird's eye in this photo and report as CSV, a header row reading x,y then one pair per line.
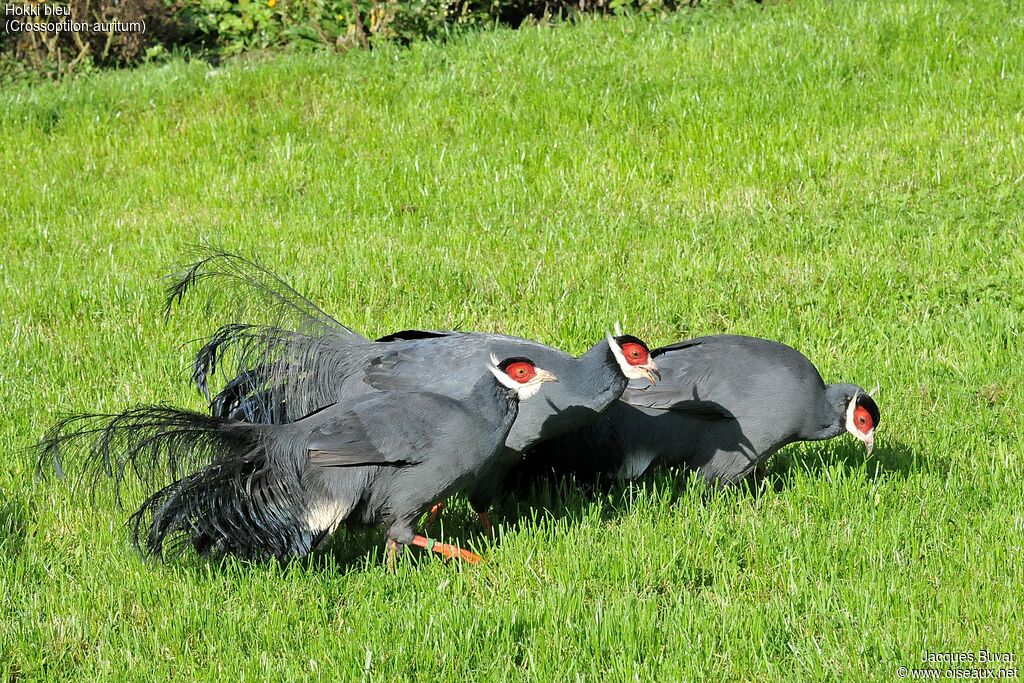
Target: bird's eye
x,y
635,353
862,418
521,371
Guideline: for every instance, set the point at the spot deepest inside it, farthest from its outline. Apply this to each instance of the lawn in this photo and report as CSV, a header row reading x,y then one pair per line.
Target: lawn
x,y
847,178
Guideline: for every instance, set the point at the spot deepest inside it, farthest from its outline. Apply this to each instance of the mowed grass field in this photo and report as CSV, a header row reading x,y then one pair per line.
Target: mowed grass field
x,y
847,178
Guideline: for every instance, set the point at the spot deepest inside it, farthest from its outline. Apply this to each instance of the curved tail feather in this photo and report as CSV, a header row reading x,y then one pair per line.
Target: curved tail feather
x,y
275,372
260,287
229,494
236,506
151,442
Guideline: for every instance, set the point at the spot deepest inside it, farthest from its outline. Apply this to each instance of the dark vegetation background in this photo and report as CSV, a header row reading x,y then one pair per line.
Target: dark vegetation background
x,y
213,29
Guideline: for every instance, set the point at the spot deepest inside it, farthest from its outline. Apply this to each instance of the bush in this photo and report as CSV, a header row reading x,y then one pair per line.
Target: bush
x,y
248,24
59,52
229,27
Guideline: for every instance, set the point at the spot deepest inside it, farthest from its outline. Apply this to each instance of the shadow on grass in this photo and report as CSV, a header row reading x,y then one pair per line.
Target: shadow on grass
x,y
351,549
566,499
557,500
891,458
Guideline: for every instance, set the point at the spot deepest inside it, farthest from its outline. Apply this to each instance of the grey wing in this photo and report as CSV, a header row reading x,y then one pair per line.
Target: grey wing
x,y
390,430
449,363
691,382
698,380
721,376
447,368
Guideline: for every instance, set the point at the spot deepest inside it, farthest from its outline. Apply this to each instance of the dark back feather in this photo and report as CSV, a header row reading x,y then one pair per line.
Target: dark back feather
x,y
406,335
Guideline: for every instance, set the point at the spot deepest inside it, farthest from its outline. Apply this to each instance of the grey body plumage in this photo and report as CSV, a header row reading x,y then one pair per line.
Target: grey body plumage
x,y
277,490
342,371
419,448
279,374
724,405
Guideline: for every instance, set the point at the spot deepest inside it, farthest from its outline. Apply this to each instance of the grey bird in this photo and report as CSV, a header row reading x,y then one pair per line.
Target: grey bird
x,y
726,403
279,375
280,490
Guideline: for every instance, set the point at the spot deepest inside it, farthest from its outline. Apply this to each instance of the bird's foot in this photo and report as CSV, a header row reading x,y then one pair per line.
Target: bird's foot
x,y
435,512
446,549
757,479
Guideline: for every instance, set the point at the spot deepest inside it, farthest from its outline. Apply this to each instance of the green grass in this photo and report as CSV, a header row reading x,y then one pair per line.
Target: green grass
x,y
842,177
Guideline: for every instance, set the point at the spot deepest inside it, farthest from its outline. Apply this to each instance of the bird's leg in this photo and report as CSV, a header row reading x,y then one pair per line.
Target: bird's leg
x,y
435,512
447,550
485,522
392,549
756,478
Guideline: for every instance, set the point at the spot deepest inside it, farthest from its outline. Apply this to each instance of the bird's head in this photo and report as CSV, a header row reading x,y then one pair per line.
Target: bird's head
x,y
633,357
862,417
520,375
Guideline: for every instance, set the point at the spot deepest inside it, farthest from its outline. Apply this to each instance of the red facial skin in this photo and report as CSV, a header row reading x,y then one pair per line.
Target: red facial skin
x,y
634,353
521,372
862,420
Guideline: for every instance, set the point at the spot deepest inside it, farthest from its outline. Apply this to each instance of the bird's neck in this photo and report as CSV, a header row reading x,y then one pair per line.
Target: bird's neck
x,y
602,372
493,401
831,418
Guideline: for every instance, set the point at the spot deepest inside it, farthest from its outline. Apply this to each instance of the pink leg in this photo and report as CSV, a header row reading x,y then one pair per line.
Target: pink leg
x,y
447,550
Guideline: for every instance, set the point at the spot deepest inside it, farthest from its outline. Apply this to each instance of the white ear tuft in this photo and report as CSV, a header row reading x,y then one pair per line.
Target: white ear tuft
x,y
872,392
494,360
618,329
503,379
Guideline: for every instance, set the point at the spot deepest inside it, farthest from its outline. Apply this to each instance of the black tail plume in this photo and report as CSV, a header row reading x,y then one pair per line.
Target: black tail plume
x,y
235,506
230,495
251,346
154,443
260,287
274,375
258,352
